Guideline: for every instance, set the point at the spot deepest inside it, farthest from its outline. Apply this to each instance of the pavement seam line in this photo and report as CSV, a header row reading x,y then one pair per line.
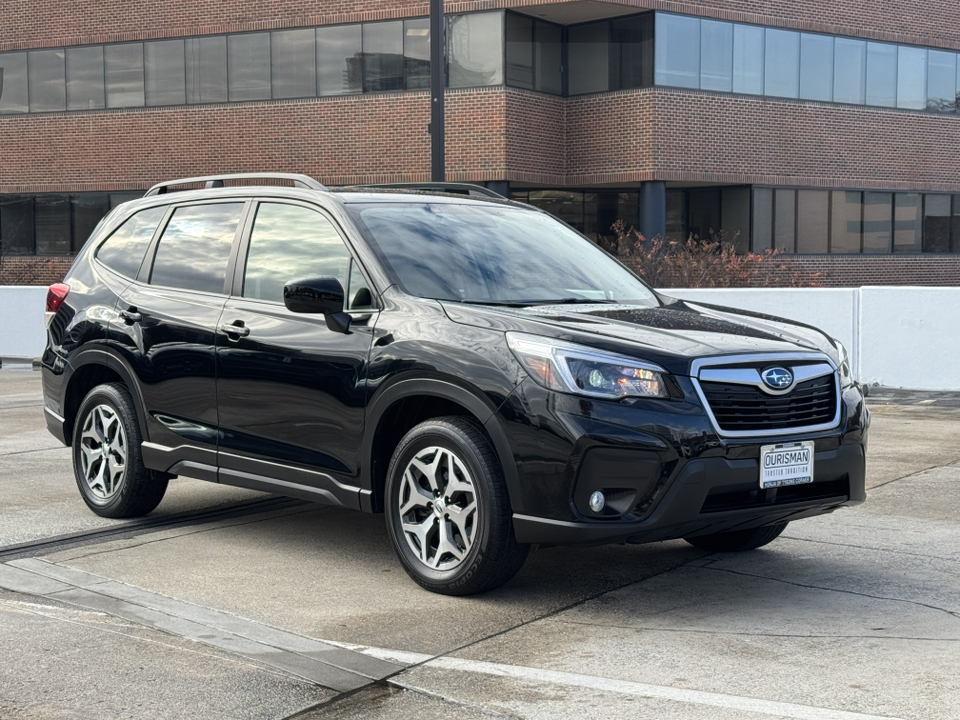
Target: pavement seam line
x,y
873,549
952,613
457,703
910,475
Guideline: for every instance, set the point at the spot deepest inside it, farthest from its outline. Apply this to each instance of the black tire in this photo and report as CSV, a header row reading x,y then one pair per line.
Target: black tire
x,y
492,556
130,492
738,540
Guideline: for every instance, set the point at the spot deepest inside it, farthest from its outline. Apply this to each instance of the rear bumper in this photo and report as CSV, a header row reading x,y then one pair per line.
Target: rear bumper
x,y
716,494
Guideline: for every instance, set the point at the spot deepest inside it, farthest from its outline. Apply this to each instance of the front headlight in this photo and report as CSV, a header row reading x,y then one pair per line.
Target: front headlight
x,y
843,364
584,371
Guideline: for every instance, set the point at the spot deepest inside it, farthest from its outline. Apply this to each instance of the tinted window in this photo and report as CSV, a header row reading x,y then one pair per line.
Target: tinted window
x,y
845,222
912,78
547,58
416,54
164,73
124,249
13,94
632,40
475,49
812,214
782,63
467,252
589,52
762,219
88,211
289,242
52,224
361,296
748,59
85,89
784,219
877,222
942,81
716,56
816,67
248,63
936,223
16,224
339,69
382,56
206,61
294,73
678,51
906,222
195,247
48,90
123,67
881,74
849,71
519,51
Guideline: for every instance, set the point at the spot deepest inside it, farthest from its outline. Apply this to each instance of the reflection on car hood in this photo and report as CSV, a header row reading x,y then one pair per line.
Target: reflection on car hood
x,y
671,335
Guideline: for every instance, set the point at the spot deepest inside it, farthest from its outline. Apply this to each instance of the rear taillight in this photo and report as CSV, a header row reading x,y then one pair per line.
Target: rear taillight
x,y
55,297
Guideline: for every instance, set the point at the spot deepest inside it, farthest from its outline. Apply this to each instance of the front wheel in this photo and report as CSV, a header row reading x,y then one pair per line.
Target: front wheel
x,y
738,540
106,456
447,509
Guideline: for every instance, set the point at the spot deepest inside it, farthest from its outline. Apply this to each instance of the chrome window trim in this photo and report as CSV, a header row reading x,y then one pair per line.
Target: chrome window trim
x,y
696,371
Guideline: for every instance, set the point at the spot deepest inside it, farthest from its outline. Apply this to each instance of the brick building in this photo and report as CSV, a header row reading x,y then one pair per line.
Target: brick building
x,y
828,128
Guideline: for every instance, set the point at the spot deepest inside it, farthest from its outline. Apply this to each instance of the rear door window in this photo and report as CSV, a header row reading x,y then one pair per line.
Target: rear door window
x,y
124,250
194,250
291,242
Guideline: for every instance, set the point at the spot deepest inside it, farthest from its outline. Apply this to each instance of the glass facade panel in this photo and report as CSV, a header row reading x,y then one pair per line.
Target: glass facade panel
x,y
785,219
816,67
519,50
845,221
294,63
563,204
339,54
716,55
877,222
14,96
936,223
912,78
942,81
48,85
703,213
16,224
206,69
193,251
748,59
588,53
677,51
548,58
676,215
813,212
164,73
85,89
955,225
123,71
762,219
88,210
881,74
735,217
383,56
416,54
52,224
906,222
248,66
781,77
849,71
475,49
632,52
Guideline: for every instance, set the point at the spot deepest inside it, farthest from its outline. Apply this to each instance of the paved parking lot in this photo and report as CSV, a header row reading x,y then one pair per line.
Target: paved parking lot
x,y
232,604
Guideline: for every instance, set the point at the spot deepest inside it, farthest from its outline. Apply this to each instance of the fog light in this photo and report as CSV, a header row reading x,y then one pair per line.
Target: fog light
x,y
597,501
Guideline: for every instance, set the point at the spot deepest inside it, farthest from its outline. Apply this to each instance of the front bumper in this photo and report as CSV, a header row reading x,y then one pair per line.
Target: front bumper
x,y
674,475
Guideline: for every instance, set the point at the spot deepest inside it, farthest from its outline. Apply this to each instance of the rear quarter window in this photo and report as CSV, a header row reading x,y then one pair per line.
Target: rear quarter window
x,y
123,251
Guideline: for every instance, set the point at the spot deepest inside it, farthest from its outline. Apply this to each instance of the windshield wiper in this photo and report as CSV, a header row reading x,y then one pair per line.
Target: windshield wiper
x,y
531,303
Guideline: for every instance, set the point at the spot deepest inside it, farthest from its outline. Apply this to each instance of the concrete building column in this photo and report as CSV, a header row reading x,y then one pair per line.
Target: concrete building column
x,y
653,208
499,186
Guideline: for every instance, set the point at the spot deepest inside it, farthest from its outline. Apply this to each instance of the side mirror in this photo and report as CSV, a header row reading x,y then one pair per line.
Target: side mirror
x,y
318,295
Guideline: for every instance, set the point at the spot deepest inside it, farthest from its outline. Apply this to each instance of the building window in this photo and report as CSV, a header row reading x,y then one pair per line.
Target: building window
x,y
206,70
293,63
47,79
123,75
85,88
677,51
164,73
475,50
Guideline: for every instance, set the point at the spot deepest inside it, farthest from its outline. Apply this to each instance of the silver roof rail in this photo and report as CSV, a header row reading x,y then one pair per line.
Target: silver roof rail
x,y
448,187
215,181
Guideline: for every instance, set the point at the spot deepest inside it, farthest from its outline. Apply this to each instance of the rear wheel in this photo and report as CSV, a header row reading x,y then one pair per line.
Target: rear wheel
x,y
738,540
107,462
447,509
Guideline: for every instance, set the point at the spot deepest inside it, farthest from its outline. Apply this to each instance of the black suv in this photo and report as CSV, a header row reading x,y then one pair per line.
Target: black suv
x,y
472,367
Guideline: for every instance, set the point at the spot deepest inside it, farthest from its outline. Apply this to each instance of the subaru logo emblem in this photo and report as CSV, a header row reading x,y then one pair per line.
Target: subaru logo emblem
x,y
777,378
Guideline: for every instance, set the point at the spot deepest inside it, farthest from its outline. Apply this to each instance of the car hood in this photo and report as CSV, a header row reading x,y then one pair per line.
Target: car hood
x,y
672,335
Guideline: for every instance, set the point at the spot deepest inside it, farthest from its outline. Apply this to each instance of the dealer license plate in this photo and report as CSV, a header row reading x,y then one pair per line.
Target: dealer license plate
x,y
786,464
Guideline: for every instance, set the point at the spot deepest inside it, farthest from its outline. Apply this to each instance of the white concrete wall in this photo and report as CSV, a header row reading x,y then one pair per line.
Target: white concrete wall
x,y
22,331
905,337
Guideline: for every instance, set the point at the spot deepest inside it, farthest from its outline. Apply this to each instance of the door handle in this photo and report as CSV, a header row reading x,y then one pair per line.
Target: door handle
x,y
131,316
235,328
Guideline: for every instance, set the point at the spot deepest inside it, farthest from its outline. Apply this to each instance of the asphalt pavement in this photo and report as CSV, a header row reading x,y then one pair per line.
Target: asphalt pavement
x,y
226,603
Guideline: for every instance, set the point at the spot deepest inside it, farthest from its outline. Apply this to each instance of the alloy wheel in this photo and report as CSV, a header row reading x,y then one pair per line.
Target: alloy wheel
x,y
438,508
103,452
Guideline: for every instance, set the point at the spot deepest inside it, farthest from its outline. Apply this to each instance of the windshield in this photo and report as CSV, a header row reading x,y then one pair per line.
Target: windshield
x,y
492,254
